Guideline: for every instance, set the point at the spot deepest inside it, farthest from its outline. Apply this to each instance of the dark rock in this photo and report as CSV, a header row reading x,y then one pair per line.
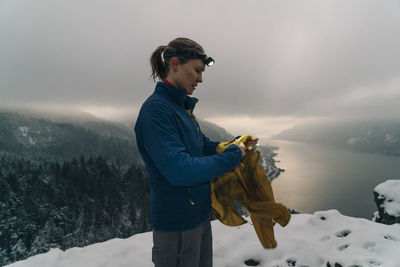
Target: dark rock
x,y
251,262
291,262
292,211
343,233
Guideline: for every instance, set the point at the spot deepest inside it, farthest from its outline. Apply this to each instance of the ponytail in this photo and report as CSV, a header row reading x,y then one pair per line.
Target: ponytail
x,y
158,67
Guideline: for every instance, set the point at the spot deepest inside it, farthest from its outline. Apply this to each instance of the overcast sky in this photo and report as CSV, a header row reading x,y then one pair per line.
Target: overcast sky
x,y
277,62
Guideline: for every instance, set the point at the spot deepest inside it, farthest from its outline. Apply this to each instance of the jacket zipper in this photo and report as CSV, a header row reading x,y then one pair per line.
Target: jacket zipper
x,y
190,196
196,124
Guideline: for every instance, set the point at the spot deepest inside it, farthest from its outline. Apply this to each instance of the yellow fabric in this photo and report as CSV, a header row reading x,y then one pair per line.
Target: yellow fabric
x,y
249,185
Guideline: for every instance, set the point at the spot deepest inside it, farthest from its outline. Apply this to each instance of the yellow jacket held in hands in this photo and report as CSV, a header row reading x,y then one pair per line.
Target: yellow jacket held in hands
x,y
250,186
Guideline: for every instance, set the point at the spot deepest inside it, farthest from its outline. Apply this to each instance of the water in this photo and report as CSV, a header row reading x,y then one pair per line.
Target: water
x,y
322,177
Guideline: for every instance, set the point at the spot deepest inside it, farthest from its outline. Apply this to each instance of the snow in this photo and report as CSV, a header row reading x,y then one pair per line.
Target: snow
x,y
32,141
24,130
389,190
308,240
390,139
353,140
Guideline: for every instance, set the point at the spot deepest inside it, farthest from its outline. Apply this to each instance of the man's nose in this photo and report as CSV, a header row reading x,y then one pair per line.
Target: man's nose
x,y
200,78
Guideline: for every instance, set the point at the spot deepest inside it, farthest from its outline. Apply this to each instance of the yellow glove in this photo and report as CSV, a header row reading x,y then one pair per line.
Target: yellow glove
x,y
241,139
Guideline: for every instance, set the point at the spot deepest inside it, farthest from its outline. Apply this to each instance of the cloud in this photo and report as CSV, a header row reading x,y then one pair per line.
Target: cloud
x,y
274,59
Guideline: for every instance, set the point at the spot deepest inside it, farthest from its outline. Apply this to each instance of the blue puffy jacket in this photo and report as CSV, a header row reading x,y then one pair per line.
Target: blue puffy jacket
x,y
179,158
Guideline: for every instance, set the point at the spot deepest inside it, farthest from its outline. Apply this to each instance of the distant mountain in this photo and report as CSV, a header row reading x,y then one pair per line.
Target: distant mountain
x,y
38,136
214,132
368,136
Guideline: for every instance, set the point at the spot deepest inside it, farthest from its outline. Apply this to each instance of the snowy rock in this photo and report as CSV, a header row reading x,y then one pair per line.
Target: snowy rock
x,y
387,198
268,161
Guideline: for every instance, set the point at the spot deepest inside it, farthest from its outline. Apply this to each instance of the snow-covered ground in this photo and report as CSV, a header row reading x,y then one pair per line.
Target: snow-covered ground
x,y
308,240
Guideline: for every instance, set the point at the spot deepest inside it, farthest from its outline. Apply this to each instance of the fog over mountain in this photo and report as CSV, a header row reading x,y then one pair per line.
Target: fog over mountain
x,y
381,136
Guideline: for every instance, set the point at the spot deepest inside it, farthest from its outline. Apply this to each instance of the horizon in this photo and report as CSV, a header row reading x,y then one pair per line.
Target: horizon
x,y
266,132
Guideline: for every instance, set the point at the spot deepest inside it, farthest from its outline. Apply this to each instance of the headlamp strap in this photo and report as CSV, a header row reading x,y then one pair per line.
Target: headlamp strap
x,y
186,53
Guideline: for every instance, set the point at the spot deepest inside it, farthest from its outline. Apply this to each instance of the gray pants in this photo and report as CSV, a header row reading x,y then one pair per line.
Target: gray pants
x,y
188,248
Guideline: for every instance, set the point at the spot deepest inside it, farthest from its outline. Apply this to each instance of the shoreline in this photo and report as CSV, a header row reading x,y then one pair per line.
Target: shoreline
x,y
267,160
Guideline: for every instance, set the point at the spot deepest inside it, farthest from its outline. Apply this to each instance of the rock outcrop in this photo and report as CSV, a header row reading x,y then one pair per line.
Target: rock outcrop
x,y
387,199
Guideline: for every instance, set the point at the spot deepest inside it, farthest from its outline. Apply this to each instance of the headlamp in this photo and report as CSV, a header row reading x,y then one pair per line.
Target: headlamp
x,y
188,54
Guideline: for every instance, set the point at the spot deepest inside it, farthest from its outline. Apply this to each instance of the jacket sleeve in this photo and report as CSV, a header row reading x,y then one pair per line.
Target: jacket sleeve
x,y
162,143
210,147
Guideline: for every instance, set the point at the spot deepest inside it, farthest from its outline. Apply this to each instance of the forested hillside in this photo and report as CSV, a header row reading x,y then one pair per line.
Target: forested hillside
x,y
76,203
67,180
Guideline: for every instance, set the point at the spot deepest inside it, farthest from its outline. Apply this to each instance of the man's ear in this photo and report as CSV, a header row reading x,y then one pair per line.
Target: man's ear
x,y
174,63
